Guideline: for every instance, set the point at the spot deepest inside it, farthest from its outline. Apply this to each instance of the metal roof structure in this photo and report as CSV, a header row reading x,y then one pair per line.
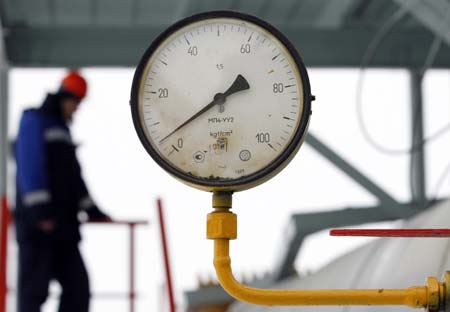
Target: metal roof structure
x,y
49,33
327,33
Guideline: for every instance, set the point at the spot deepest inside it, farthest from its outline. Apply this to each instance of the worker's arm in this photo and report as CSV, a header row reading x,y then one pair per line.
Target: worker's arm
x,y
32,172
86,203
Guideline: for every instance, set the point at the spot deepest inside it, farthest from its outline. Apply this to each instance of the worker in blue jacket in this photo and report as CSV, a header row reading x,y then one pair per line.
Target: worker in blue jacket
x,y
51,194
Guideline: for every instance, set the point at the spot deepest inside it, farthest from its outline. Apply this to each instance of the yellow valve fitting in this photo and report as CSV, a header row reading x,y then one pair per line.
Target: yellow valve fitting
x,y
222,226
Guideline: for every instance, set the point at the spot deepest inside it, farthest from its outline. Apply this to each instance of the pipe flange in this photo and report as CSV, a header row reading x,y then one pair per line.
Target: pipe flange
x,y
446,303
434,294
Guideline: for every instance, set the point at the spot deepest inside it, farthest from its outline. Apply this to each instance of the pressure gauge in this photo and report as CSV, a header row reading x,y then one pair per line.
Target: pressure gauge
x,y
221,100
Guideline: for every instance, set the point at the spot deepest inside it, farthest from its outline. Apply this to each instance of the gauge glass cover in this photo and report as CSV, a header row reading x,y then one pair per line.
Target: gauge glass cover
x,y
221,99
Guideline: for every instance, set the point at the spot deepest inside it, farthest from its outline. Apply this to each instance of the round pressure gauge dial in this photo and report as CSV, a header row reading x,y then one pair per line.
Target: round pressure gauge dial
x,y
221,100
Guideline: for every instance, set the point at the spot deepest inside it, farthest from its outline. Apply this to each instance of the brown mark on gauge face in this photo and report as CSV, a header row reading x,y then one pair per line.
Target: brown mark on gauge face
x,y
218,148
221,145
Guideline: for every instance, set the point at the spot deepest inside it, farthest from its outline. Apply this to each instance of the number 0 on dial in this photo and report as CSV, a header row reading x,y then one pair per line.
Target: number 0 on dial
x,y
221,100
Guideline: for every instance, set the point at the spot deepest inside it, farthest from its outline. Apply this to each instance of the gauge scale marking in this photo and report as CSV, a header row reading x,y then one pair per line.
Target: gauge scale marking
x,y
221,100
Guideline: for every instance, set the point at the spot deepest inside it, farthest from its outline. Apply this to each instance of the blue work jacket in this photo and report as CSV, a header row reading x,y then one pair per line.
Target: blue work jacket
x,y
48,179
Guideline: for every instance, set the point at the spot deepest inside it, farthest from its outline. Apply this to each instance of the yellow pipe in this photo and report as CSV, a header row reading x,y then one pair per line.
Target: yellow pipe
x,y
415,297
222,226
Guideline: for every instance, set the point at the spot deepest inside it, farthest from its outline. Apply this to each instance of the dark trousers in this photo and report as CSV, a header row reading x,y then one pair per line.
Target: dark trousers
x,y
41,262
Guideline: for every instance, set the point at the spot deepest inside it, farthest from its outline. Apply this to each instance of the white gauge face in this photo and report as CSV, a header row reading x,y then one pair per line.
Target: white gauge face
x,y
220,99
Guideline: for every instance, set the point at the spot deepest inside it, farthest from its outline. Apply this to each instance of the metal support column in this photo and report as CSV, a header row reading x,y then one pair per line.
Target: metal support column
x,y
3,126
3,113
4,220
417,158
390,206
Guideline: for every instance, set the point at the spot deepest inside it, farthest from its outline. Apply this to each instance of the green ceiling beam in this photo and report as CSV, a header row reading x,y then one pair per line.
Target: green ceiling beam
x,y
119,46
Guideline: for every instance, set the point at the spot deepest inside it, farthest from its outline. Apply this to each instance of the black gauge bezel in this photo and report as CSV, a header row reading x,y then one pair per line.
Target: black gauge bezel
x,y
223,184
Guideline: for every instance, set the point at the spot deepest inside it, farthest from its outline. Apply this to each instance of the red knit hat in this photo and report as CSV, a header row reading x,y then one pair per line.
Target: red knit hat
x,y
74,84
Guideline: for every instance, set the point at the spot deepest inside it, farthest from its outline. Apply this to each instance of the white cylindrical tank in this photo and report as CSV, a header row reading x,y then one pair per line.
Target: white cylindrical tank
x,y
383,263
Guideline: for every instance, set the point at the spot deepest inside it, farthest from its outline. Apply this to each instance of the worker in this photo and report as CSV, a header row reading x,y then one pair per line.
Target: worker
x,y
51,194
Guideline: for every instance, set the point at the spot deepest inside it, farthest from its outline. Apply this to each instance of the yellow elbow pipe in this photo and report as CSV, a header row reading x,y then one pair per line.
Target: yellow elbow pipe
x,y
416,297
222,226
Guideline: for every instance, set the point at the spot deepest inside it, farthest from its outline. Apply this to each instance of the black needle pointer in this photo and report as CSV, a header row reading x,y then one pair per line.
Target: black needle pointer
x,y
239,84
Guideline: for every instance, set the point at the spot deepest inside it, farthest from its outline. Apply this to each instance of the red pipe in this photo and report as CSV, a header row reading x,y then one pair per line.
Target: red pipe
x,y
392,232
166,256
3,251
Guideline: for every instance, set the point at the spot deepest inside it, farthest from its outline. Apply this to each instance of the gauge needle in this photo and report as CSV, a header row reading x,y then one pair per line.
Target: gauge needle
x,y
239,84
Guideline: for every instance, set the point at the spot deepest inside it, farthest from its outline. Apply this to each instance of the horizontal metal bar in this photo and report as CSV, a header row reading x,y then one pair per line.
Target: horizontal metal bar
x,y
392,232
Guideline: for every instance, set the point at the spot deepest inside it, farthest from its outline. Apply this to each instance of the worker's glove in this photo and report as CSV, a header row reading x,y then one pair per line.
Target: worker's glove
x,y
96,215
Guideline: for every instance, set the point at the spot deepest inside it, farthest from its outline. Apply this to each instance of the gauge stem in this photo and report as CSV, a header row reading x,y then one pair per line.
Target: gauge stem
x,y
222,200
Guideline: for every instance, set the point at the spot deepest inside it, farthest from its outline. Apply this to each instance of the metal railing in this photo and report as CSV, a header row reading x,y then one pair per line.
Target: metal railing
x,y
6,220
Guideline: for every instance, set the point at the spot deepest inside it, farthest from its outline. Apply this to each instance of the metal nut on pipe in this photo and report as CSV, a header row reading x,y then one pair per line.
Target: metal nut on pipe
x,y
221,225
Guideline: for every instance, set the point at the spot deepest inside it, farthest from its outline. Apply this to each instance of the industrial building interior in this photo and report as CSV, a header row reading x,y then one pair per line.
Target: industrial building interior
x,y
375,154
